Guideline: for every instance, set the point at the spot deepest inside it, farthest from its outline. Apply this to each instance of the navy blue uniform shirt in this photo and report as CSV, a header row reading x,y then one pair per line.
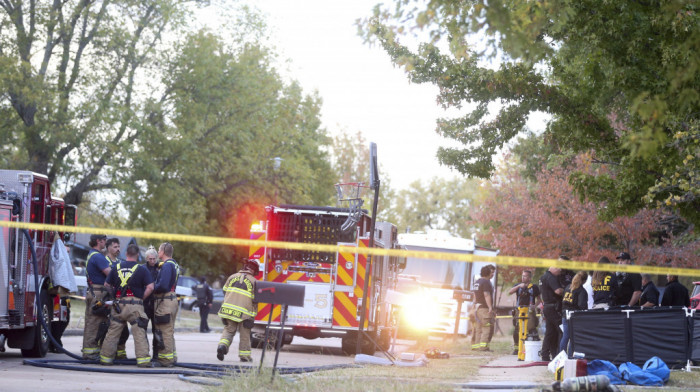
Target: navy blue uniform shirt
x,y
137,282
96,262
167,277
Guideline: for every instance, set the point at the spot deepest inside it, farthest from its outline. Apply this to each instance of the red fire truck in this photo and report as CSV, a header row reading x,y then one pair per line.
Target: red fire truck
x,y
334,282
26,197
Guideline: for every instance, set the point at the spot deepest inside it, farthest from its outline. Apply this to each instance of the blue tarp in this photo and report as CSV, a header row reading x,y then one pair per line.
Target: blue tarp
x,y
654,373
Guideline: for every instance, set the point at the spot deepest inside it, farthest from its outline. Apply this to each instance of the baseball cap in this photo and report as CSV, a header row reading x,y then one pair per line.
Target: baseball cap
x,y
623,256
96,237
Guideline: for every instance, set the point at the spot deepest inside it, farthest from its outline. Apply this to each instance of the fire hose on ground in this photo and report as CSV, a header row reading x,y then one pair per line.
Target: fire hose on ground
x,y
185,371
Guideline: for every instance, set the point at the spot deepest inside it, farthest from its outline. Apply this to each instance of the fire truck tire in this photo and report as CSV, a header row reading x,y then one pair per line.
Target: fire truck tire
x,y
349,345
41,339
257,339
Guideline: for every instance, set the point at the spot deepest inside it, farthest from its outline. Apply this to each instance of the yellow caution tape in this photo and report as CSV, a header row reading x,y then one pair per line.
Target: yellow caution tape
x,y
463,257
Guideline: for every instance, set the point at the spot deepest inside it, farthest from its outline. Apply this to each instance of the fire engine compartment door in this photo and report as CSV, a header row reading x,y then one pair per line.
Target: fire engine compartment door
x,y
5,216
318,306
346,270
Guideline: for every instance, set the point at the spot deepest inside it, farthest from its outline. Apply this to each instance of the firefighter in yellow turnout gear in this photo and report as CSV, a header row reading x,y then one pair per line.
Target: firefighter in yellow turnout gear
x,y
238,311
132,283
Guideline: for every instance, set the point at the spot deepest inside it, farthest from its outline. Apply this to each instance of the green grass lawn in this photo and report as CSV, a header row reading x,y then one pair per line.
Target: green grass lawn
x,y
185,318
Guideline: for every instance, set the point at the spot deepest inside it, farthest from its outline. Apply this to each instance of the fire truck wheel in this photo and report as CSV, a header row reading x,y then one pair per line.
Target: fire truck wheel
x,y
349,345
41,339
257,339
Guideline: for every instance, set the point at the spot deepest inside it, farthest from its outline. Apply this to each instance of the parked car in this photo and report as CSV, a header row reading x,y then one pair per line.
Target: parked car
x,y
80,280
185,285
190,303
695,297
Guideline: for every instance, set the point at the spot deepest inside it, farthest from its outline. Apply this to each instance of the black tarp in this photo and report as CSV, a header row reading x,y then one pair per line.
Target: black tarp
x,y
634,336
695,333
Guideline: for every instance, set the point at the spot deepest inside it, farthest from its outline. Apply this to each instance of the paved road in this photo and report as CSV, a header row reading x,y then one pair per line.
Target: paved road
x,y
191,347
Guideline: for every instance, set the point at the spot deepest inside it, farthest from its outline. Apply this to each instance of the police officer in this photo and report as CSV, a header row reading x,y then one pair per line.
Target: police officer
x,y
238,311
132,283
97,268
205,297
166,306
485,314
552,293
605,287
113,249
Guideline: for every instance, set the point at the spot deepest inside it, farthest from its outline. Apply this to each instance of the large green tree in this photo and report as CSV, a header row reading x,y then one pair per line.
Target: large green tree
x,y
73,77
225,116
618,78
438,204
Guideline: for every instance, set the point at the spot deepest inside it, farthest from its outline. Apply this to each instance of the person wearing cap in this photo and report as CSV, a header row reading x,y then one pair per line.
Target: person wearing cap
x,y
97,268
630,284
205,298
238,311
675,294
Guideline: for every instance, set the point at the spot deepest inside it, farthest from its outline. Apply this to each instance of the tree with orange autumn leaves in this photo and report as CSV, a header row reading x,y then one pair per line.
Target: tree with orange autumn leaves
x,y
545,218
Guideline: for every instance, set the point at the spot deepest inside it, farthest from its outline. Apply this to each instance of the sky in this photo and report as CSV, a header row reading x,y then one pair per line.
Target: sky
x,y
360,88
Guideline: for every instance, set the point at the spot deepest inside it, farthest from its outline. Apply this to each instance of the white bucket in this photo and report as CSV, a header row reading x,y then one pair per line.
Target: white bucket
x,y
532,350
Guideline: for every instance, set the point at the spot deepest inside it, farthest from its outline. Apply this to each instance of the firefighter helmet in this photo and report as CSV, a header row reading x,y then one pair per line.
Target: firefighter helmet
x,y
252,266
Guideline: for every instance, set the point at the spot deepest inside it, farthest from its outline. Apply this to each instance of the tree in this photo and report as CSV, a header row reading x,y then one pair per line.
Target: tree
x,y
207,166
619,78
351,163
72,81
439,204
545,219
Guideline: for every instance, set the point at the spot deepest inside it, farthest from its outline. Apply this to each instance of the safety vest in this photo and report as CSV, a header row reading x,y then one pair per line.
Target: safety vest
x,y
124,274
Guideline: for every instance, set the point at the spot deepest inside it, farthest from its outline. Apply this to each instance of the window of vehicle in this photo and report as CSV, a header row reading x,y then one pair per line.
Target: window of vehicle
x,y
187,281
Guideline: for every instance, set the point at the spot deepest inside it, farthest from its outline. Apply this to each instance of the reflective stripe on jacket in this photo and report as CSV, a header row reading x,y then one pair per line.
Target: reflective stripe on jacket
x,y
238,300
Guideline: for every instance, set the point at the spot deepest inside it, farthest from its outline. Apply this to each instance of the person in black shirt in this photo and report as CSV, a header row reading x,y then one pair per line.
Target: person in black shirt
x,y
485,315
630,284
552,293
605,287
675,293
527,294
650,294
205,298
575,298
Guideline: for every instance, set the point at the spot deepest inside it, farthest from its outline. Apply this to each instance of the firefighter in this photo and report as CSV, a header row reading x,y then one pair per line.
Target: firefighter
x,y
165,306
149,303
205,297
485,314
97,268
238,311
132,284
113,248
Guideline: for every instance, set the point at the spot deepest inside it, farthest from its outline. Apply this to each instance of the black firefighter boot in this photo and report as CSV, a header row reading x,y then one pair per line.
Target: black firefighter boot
x,y
221,351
